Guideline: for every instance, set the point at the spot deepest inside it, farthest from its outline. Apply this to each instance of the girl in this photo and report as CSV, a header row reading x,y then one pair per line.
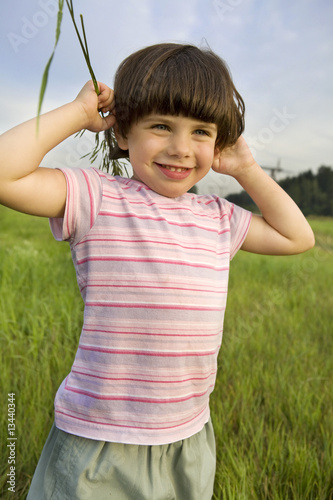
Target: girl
x,y
152,260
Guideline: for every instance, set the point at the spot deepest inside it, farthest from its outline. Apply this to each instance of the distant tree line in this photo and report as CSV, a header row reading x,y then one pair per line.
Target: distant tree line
x,y
313,193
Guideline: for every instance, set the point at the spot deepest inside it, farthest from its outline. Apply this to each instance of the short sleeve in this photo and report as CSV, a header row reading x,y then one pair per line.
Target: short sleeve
x,y
83,202
240,220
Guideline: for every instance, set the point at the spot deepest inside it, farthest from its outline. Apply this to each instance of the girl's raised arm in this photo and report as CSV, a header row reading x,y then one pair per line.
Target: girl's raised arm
x,y
282,229
26,187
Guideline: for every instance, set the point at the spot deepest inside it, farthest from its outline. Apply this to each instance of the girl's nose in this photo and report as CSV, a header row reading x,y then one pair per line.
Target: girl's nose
x,y
179,146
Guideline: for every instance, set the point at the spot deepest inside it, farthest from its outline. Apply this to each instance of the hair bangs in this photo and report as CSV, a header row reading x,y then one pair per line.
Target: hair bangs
x,y
182,89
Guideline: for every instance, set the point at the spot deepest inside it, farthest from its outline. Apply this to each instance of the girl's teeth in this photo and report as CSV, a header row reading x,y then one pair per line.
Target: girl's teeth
x,y
173,169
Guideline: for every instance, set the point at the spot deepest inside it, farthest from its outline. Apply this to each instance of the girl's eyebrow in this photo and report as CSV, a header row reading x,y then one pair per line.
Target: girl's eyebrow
x,y
158,118
169,120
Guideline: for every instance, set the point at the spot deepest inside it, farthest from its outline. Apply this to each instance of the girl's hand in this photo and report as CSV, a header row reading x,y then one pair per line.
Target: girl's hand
x,y
281,229
92,104
234,160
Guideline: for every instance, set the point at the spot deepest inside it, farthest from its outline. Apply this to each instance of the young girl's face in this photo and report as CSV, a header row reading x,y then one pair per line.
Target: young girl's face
x,y
170,153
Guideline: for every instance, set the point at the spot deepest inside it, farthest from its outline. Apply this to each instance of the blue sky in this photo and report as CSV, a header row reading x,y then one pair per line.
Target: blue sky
x,y
280,53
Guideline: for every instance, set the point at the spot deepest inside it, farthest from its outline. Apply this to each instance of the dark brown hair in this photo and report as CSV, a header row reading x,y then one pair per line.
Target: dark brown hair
x,y
177,79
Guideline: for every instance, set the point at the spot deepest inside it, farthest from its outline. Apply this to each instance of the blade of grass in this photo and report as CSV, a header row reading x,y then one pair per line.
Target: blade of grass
x,y
84,46
47,67
88,57
109,141
103,146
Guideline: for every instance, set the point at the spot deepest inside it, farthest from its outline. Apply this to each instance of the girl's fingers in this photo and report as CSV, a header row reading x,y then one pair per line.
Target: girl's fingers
x,y
109,121
105,92
108,108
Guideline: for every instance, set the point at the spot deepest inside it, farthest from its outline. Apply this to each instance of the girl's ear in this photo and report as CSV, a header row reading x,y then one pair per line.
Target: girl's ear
x,y
122,141
216,160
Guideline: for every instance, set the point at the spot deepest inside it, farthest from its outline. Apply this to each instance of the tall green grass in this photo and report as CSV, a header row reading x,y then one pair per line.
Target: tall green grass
x,y
40,317
272,406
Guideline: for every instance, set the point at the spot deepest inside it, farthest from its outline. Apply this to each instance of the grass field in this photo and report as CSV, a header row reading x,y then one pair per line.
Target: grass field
x,y
273,404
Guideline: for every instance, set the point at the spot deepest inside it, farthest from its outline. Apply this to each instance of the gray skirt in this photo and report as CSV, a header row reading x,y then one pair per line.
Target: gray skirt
x,y
76,468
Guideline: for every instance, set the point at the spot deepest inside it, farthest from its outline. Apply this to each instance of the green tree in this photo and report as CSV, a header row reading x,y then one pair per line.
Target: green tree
x,y
313,193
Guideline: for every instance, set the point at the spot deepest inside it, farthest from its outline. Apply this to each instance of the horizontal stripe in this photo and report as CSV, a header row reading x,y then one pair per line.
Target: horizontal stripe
x,y
148,381
164,334
150,260
152,242
138,399
146,352
175,208
162,219
138,426
152,287
138,305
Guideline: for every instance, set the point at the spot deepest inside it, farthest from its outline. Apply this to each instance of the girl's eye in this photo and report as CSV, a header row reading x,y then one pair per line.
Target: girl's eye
x,y
201,132
160,126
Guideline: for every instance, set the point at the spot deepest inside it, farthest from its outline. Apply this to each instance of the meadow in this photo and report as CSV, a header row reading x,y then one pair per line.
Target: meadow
x,y
272,408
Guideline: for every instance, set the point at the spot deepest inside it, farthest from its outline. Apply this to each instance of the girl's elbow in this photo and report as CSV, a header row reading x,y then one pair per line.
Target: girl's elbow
x,y
306,242
312,241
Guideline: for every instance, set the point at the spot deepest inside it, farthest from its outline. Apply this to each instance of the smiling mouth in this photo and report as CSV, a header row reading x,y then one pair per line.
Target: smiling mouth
x,y
174,169
174,172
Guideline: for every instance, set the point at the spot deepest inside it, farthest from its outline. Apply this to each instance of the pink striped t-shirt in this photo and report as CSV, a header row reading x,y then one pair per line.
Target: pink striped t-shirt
x,y
153,274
